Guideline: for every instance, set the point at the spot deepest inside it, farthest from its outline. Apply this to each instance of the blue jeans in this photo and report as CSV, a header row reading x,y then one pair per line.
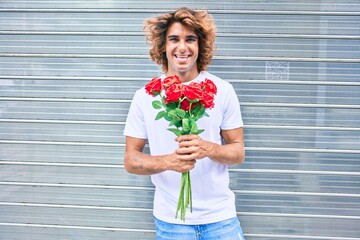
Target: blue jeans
x,y
229,229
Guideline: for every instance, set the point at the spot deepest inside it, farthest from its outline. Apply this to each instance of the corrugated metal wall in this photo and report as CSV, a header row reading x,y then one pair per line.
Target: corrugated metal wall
x,y
68,70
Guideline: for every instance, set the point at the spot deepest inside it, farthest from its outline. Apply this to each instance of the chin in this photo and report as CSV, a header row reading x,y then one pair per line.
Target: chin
x,y
182,70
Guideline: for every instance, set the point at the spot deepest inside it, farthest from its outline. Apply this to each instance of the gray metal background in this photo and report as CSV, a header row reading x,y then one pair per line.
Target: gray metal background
x,y
68,70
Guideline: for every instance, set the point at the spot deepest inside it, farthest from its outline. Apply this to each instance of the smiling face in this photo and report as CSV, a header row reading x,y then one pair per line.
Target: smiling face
x,y
182,49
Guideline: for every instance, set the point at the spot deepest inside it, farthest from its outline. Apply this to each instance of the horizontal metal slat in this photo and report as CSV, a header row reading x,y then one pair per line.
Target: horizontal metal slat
x,y
79,219
298,237
242,23
266,104
226,69
288,171
256,137
242,35
161,5
276,221
306,150
62,232
248,126
65,206
140,188
142,80
135,45
256,157
254,180
213,11
62,143
238,58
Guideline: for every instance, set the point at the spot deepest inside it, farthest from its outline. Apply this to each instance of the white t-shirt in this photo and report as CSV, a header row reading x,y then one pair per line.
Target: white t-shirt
x,y
213,201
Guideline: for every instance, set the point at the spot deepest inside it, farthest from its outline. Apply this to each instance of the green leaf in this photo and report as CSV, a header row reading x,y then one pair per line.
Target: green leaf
x,y
176,131
171,106
160,115
186,124
172,113
181,113
199,131
196,110
176,122
201,112
157,104
194,127
168,118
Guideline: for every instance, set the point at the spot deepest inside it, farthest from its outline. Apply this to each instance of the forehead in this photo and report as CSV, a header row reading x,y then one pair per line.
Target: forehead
x,y
179,29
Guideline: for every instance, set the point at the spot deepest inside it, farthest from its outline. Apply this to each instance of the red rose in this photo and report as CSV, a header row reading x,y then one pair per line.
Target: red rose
x,y
170,81
185,105
208,100
153,87
174,92
193,91
208,86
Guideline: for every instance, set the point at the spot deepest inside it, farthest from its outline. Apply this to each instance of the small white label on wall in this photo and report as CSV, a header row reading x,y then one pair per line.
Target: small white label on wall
x,y
277,70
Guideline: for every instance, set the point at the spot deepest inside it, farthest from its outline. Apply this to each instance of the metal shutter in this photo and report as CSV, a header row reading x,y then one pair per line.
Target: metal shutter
x,y
68,70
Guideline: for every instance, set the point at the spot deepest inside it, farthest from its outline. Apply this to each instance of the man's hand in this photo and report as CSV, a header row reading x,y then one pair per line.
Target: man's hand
x,y
193,147
179,164
232,152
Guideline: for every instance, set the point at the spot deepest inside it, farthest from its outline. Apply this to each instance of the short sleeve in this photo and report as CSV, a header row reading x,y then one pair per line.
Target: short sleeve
x,y
135,122
232,114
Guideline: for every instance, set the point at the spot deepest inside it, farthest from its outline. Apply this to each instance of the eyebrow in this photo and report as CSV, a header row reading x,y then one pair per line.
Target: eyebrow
x,y
188,37
191,37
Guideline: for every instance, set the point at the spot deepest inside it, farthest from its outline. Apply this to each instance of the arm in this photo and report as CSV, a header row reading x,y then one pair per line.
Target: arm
x,y
137,162
193,147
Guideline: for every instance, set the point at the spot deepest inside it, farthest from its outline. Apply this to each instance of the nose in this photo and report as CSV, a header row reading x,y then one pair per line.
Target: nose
x,y
182,46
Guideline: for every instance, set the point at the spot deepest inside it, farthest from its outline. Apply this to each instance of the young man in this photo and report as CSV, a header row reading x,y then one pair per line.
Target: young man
x,y
182,43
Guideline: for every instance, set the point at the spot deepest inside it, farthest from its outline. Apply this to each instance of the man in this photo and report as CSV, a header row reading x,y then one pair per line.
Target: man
x,y
182,43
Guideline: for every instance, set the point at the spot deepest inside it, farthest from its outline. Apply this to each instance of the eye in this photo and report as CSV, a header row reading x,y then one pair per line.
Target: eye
x,y
173,39
191,39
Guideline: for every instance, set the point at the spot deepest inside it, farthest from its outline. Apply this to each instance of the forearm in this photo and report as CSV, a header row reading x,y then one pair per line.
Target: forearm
x,y
137,162
232,153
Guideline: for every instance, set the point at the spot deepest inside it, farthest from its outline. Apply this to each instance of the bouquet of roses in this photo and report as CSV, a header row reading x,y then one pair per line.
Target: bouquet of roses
x,y
182,105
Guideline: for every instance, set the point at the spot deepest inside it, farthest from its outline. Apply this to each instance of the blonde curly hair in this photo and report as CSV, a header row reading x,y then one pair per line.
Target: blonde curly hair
x,y
200,22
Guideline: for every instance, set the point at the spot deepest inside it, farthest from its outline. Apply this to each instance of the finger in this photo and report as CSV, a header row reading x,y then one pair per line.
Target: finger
x,y
186,144
187,168
188,157
187,137
186,150
190,163
189,143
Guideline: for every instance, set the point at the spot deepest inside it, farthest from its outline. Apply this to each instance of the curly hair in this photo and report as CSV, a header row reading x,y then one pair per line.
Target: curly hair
x,y
199,21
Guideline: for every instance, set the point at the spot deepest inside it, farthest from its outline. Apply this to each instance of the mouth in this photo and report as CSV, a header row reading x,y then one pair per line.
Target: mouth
x,y
182,57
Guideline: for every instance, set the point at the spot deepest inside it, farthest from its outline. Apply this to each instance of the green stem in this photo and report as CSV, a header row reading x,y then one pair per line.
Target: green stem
x,y
186,189
185,196
180,205
190,108
190,192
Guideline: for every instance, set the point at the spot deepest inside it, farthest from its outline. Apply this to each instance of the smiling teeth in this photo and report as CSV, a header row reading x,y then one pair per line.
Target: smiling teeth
x,y
182,57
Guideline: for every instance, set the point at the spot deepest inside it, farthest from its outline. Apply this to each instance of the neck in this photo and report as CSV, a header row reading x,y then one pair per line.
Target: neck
x,y
184,76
